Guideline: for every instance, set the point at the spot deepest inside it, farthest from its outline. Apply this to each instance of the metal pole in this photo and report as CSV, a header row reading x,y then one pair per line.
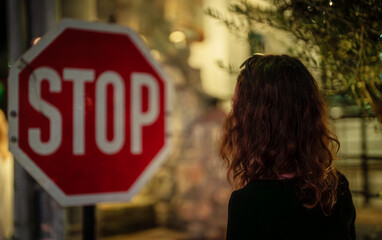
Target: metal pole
x,y
42,17
35,212
16,29
364,164
23,184
89,223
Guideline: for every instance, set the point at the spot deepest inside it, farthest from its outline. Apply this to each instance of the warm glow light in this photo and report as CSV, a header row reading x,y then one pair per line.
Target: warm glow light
x,y
336,112
156,54
177,36
330,3
143,38
36,40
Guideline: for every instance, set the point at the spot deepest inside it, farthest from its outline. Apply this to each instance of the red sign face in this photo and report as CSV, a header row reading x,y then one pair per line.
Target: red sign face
x,y
89,113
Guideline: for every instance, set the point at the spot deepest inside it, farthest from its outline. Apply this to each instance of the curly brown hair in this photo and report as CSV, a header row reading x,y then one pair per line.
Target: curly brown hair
x,y
279,125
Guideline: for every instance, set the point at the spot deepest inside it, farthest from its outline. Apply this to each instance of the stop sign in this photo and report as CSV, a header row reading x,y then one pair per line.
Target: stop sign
x,y
89,113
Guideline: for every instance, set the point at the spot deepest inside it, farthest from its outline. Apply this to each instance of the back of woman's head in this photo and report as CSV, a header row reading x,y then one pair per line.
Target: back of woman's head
x,y
279,126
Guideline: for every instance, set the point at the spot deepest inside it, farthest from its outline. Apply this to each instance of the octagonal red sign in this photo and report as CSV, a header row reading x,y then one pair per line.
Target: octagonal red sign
x,y
89,113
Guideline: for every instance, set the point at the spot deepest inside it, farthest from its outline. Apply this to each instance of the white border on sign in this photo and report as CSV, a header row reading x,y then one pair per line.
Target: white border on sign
x,y
32,168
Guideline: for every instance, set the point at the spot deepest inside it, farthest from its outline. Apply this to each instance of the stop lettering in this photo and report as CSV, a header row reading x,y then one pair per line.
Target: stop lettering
x,y
79,77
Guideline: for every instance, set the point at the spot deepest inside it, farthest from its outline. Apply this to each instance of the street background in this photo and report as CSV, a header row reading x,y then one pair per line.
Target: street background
x,y
187,198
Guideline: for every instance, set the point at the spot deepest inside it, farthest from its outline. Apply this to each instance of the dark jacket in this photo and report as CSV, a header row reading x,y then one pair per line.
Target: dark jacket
x,y
270,209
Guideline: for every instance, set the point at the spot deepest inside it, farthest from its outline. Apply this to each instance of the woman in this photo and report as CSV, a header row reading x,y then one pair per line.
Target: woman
x,y
280,152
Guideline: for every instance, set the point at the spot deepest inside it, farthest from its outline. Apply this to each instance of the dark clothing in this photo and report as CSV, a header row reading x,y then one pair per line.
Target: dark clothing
x,y
270,209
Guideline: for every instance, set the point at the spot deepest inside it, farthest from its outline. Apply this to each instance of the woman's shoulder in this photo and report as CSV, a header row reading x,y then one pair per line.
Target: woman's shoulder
x,y
343,190
343,185
271,187
342,180
263,188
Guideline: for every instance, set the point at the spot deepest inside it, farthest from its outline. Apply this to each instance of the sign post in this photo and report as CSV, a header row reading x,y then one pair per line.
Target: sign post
x,y
89,113
88,222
